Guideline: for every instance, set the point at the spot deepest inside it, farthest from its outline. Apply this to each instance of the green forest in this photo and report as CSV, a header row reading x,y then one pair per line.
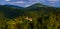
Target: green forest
x,y
37,16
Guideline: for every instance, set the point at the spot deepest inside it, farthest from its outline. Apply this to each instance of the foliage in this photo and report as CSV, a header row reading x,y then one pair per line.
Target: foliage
x,y
42,18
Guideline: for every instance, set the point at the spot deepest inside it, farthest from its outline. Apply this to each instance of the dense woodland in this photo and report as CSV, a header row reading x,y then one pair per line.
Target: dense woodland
x,y
37,16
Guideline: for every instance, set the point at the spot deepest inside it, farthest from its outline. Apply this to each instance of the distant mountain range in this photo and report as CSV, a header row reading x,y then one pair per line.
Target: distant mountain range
x,y
10,6
13,11
37,6
32,6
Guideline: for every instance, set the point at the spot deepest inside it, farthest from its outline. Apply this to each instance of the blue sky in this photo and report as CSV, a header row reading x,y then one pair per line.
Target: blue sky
x,y
26,3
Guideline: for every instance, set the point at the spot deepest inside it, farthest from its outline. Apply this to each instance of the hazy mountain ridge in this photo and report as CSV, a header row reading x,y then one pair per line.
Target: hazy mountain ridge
x,y
34,5
11,6
11,10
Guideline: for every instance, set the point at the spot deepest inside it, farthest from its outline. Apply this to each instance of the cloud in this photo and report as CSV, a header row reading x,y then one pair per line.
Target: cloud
x,y
27,5
7,0
52,1
17,2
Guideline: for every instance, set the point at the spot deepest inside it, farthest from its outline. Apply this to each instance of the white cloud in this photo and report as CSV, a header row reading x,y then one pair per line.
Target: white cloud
x,y
7,0
52,1
17,2
27,5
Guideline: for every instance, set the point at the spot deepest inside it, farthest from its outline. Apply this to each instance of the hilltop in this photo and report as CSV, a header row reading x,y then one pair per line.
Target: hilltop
x,y
13,11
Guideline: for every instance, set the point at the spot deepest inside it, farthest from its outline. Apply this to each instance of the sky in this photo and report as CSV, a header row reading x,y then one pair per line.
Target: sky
x,y
26,3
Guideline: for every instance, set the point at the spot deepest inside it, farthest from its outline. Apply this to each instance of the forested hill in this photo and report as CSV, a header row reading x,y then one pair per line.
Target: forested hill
x,y
37,16
13,11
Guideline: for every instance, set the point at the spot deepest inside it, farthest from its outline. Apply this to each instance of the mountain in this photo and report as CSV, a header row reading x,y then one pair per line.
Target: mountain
x,y
38,6
13,11
11,6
